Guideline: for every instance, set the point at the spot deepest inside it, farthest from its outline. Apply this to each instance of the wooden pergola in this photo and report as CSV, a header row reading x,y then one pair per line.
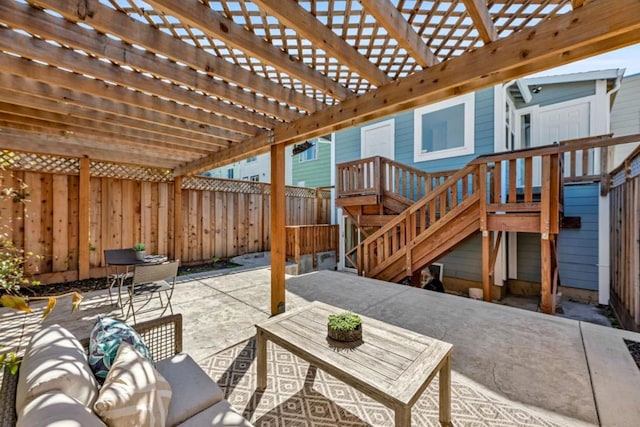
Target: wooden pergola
x,y
191,85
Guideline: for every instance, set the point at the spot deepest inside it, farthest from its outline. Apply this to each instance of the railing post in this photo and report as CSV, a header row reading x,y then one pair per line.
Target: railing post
x,y
482,189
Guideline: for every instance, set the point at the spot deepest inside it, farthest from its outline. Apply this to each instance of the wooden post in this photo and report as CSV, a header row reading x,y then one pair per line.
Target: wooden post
x,y
177,217
486,265
546,298
84,218
278,235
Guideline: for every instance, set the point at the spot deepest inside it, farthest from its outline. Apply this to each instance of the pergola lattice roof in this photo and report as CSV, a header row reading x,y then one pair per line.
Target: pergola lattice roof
x,y
192,84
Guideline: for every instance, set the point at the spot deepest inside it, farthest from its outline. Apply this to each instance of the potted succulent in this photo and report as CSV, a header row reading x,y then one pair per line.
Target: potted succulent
x,y
346,327
139,248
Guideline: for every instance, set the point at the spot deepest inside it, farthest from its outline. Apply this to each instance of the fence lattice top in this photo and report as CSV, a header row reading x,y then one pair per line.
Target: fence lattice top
x,y
39,162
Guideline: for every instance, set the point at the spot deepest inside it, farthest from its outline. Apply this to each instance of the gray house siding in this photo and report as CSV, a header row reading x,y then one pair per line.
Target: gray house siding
x,y
314,173
560,92
625,115
465,262
577,249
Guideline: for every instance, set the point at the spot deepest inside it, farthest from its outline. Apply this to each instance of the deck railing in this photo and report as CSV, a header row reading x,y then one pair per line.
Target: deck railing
x,y
311,240
379,175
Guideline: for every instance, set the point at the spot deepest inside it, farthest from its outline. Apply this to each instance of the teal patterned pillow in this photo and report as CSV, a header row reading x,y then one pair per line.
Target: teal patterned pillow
x,y
106,336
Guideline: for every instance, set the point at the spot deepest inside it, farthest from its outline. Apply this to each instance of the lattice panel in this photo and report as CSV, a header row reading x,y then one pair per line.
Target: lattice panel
x,y
224,185
39,162
444,25
138,173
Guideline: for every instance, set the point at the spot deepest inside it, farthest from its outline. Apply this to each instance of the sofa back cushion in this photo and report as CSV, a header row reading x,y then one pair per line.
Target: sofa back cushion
x,y
55,360
56,409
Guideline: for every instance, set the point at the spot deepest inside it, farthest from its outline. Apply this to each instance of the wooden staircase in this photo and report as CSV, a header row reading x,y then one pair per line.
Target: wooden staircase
x,y
453,207
491,195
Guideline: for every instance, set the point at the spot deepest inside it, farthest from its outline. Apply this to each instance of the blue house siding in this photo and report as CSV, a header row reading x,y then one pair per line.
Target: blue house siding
x,y
577,249
348,141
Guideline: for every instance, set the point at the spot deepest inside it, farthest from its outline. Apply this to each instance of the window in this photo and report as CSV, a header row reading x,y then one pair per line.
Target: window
x,y
230,173
309,153
444,129
252,159
255,178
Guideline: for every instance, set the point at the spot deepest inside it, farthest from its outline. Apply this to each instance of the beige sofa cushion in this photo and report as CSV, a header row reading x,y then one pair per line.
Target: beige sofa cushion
x,y
134,393
222,414
55,360
193,390
56,409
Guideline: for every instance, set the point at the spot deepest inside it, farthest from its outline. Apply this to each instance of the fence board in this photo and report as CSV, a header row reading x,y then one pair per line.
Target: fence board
x,y
624,202
220,218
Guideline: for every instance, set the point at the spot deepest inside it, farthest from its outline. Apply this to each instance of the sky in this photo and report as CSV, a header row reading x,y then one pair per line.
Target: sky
x,y
628,57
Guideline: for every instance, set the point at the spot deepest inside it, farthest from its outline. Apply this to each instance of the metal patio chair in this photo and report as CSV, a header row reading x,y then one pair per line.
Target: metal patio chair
x,y
117,264
150,281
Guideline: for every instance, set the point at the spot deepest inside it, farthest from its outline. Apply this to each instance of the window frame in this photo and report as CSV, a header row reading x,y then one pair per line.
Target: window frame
x,y
468,147
314,147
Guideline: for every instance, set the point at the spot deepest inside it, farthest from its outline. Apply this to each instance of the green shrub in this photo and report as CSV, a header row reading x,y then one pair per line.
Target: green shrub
x,y
347,321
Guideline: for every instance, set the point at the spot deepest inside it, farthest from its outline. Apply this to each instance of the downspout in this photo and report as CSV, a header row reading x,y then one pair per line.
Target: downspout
x,y
604,262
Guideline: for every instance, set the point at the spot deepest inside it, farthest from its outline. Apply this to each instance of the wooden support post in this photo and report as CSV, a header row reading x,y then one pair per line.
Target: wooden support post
x,y
486,264
546,298
278,235
84,218
177,218
604,168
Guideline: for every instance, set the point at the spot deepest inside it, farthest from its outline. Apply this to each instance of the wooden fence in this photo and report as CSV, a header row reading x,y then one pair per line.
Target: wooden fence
x,y
118,205
310,240
625,241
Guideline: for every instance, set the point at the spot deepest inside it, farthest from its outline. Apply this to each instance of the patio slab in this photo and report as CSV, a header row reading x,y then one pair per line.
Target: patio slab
x,y
541,362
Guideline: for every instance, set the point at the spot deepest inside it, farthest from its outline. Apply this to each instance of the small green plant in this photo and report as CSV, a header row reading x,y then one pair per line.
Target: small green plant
x,y
139,247
345,322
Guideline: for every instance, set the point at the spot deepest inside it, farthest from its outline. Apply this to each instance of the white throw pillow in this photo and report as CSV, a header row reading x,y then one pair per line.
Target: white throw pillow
x,y
134,393
55,360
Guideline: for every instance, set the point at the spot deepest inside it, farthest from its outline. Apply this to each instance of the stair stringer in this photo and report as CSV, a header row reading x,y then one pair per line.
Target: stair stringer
x,y
440,238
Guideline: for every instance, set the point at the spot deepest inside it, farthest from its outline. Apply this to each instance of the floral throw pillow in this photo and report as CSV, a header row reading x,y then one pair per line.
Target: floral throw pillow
x,y
106,336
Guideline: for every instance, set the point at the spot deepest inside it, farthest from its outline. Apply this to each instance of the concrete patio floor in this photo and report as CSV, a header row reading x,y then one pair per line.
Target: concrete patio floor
x,y
574,372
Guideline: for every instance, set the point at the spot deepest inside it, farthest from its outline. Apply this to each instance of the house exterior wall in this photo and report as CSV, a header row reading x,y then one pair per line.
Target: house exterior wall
x,y
625,116
348,141
560,92
577,248
314,173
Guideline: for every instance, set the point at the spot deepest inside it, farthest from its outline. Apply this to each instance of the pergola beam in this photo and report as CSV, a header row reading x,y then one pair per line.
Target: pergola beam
x,y
594,28
479,13
97,148
304,23
32,48
75,82
109,21
73,126
392,20
38,107
214,24
67,33
577,3
27,88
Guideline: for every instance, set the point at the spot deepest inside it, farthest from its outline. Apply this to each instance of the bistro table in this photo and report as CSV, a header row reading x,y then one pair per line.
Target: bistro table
x,y
122,260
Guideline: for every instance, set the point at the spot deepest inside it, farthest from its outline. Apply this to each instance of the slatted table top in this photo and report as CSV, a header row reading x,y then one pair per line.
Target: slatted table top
x,y
391,364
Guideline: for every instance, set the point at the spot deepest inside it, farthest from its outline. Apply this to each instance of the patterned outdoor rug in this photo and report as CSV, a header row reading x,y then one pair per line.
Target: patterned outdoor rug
x,y
300,395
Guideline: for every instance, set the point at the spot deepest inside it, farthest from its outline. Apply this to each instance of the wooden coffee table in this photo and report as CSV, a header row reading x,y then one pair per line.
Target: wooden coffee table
x,y
392,365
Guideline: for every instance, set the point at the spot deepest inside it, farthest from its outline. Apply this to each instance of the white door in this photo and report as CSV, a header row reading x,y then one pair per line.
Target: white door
x,y
377,140
560,124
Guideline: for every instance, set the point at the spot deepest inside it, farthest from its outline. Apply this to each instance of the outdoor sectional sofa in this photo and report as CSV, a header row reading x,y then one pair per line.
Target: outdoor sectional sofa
x,y
55,397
